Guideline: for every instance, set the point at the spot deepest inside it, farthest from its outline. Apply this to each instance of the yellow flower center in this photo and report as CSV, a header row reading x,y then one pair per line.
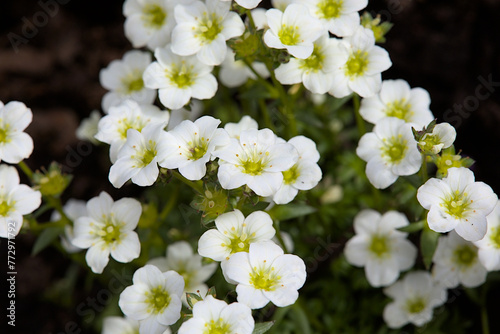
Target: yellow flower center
x,y
356,64
315,61
4,133
209,28
400,109
291,175
153,16
181,76
219,327
264,279
289,35
465,256
4,208
133,84
379,246
416,305
457,204
111,232
394,149
330,9
495,237
157,300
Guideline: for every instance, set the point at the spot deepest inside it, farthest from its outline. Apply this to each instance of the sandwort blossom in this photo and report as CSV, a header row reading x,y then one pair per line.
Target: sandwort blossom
x,y
154,299
458,203
149,22
178,79
397,99
257,159
123,79
108,229
315,71
16,200
390,151
266,274
234,233
203,28
489,246
379,247
15,144
181,259
303,175
139,156
213,316
340,17
294,30
415,296
443,135
112,128
190,146
456,262
359,65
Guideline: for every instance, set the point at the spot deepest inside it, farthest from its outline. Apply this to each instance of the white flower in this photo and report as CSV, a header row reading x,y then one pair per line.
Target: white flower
x,y
119,325
266,274
149,22
235,73
281,4
457,202
181,259
88,127
294,30
340,17
203,28
380,247
390,151
112,128
397,99
456,262
303,175
211,316
315,71
260,18
287,240
154,299
139,156
179,78
123,78
108,229
234,233
16,200
443,135
257,159
191,144
73,209
415,297
359,65
248,4
489,246
15,145
234,129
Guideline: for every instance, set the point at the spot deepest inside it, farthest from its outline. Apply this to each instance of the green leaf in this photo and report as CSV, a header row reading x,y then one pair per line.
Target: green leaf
x,y
413,227
428,244
190,296
262,327
289,211
248,207
45,239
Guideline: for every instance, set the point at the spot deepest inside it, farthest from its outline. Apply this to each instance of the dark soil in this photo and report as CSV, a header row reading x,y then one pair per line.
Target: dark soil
x,y
450,48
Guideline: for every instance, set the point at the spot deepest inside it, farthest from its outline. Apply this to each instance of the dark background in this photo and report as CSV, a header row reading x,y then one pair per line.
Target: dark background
x,y
450,48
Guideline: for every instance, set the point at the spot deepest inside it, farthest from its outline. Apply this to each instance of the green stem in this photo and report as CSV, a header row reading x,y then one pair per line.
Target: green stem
x,y
26,170
195,185
360,122
170,204
423,170
55,203
484,320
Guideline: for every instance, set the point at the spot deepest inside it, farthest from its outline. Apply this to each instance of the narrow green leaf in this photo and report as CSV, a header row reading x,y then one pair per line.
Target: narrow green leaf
x,y
262,327
428,244
45,239
289,211
413,227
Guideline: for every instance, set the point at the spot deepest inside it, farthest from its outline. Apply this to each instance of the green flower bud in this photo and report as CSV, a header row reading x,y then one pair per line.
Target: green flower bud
x,y
51,182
